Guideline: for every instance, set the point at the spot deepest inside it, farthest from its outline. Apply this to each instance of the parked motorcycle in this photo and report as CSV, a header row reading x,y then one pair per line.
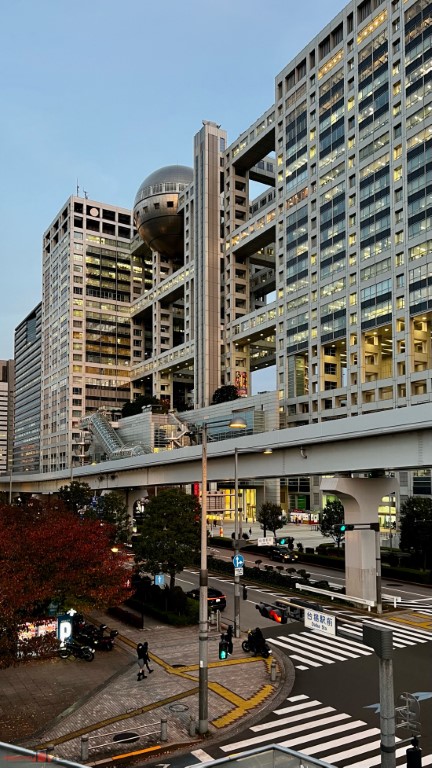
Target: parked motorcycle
x,y
256,644
96,637
72,648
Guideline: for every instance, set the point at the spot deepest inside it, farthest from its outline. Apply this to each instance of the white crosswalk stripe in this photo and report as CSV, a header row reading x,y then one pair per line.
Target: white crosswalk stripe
x,y
313,729
310,650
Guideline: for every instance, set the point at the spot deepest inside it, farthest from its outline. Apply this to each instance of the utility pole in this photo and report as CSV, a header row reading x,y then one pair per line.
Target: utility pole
x,y
381,640
203,597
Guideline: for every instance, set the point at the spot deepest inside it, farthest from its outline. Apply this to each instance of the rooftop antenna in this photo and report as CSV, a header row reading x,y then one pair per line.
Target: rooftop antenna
x,y
77,188
85,195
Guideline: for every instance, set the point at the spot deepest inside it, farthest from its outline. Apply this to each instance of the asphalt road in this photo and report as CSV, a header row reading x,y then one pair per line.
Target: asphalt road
x,y
250,617
332,712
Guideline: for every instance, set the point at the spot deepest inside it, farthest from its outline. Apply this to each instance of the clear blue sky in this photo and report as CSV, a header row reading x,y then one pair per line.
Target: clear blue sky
x,y
109,91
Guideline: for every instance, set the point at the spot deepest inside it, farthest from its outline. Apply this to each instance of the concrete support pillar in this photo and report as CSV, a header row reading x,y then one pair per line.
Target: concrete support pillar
x,y
360,497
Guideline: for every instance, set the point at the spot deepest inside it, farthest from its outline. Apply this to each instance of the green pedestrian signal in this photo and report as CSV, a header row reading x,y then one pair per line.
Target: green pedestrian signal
x,y
223,650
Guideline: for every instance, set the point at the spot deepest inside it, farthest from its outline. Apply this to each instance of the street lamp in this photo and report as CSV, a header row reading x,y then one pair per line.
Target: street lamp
x,y
235,423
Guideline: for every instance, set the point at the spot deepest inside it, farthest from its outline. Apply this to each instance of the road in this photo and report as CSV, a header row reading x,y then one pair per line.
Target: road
x,y
332,713
414,595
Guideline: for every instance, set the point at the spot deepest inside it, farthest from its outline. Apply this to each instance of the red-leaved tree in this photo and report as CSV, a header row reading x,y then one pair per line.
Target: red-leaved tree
x,y
49,554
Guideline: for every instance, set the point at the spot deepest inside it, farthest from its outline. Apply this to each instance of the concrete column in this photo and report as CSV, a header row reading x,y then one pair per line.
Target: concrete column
x,y
360,497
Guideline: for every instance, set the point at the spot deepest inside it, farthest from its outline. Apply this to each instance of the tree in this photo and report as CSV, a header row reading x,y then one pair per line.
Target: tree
x,y
269,516
136,406
225,394
111,508
331,517
76,496
416,529
50,554
170,532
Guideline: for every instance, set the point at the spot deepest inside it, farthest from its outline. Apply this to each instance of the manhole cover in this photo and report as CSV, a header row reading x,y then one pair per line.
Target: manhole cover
x,y
126,736
179,708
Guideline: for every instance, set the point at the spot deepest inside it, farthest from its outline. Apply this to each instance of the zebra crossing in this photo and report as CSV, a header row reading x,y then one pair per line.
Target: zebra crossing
x,y
422,606
308,726
310,649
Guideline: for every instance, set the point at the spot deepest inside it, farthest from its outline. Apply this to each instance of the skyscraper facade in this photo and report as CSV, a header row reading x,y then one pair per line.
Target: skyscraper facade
x,y
351,133
27,408
88,282
7,389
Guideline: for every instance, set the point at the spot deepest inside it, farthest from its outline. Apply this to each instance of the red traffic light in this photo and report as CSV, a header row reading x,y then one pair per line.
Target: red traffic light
x,y
275,615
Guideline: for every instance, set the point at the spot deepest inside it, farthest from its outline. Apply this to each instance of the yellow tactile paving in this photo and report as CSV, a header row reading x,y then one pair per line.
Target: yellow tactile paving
x,y
417,620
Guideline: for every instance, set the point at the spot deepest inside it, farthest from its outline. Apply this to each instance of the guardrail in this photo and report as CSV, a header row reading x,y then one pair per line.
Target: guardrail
x,y
392,599
348,598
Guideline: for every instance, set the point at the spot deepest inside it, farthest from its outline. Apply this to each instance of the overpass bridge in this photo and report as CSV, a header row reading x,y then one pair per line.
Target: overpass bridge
x,y
392,440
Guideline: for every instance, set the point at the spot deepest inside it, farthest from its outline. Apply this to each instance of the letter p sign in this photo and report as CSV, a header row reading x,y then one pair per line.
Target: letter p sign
x,y
64,627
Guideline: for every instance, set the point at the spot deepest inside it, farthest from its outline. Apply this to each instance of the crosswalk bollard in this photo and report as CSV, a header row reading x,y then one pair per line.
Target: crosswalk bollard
x,y
84,748
164,729
192,726
273,667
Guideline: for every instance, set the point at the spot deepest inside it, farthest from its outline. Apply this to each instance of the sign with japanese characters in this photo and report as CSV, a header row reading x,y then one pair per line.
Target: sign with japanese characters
x,y
323,622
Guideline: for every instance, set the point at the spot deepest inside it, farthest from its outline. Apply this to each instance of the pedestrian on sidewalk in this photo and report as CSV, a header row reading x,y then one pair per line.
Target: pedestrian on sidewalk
x,y
141,653
147,657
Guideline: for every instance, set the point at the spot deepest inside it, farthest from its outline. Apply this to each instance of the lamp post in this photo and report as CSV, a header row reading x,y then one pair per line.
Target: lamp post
x,y
235,423
237,534
203,597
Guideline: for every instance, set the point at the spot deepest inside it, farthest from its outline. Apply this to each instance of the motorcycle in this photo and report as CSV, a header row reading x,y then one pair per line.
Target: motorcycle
x,y
72,648
256,644
96,637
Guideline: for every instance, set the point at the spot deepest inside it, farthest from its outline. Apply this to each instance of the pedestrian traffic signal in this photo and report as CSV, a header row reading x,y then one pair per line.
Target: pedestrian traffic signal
x,y
282,541
223,650
272,612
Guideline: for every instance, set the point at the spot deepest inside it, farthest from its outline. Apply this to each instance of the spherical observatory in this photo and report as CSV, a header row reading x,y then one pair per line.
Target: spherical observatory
x,y
156,214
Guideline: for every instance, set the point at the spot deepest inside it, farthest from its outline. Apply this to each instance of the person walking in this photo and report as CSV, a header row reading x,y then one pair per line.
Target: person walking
x,y
141,653
146,657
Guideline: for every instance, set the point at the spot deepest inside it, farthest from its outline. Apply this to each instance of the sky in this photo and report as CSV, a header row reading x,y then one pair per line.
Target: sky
x,y
105,92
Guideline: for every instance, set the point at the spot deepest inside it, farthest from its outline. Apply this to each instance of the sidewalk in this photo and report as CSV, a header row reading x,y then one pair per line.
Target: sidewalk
x,y
103,699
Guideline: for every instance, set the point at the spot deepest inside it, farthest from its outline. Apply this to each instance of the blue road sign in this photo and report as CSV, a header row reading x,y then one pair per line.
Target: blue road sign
x,y
238,561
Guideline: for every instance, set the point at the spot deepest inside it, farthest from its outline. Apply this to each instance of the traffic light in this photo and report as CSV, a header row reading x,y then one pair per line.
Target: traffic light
x,y
282,541
343,527
223,650
272,612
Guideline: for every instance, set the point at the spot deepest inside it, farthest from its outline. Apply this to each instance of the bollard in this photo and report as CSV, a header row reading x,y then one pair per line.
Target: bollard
x,y
273,671
244,592
84,748
192,726
164,729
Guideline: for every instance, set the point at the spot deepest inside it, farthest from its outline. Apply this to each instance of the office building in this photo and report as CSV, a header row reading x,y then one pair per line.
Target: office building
x,y
88,281
7,389
27,409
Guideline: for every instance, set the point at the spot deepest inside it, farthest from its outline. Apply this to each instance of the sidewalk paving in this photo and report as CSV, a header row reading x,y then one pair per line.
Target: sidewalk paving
x,y
54,703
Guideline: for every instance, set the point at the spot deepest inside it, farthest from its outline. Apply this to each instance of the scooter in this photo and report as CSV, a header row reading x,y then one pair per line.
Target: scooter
x,y
72,648
256,644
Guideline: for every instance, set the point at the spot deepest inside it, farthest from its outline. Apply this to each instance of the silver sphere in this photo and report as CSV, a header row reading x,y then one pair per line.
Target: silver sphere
x,y
156,214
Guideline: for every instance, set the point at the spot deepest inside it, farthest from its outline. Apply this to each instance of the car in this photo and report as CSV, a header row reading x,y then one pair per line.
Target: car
x,y
282,555
216,599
